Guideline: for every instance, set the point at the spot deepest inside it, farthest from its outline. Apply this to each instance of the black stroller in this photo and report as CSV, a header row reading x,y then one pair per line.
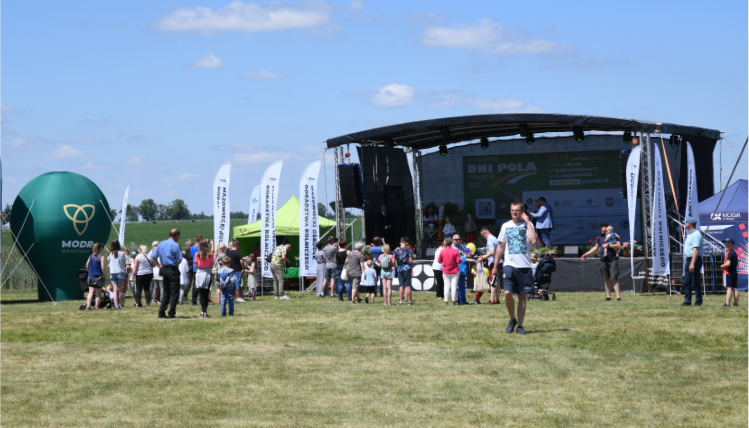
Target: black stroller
x,y
542,280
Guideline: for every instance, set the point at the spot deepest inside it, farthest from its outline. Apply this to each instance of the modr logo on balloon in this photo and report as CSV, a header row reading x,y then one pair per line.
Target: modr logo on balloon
x,y
57,217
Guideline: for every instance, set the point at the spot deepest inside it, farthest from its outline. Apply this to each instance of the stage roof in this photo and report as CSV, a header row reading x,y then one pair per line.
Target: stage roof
x,y
425,134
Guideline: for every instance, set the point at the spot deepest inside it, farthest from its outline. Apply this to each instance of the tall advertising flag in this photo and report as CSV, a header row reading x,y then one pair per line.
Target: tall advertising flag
x,y
254,204
221,207
633,174
661,265
309,230
692,209
268,202
121,237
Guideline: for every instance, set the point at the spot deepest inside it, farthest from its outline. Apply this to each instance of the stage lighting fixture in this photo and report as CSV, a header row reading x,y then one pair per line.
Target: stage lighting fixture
x,y
530,139
627,137
389,143
523,129
674,140
443,150
578,133
484,143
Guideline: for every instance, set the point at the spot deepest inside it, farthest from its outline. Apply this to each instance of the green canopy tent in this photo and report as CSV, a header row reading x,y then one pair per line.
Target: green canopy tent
x,y
287,230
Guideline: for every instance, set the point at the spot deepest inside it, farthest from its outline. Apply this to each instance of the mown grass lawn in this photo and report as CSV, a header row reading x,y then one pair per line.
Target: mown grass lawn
x,y
644,361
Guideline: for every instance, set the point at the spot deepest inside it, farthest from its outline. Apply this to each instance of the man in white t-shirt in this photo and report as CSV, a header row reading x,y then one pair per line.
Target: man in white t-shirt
x,y
516,238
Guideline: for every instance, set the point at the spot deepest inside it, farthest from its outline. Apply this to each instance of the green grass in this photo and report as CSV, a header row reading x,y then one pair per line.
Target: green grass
x,y
645,361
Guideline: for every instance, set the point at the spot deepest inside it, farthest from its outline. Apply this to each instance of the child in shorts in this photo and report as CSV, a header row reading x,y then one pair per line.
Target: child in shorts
x,y
462,274
369,282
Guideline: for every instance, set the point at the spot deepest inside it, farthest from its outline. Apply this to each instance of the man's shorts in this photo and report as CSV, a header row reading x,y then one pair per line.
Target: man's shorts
x,y
731,281
329,273
610,269
237,279
355,282
517,280
404,276
117,278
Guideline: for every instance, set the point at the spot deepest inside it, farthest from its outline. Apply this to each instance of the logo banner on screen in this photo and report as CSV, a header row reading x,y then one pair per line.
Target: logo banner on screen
x,y
661,265
221,207
254,204
309,230
633,174
268,202
121,236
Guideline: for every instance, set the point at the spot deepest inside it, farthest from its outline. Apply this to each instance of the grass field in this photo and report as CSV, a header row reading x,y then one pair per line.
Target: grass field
x,y
644,361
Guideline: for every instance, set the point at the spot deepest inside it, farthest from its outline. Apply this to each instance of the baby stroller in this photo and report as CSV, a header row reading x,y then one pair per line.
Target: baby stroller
x,y
542,280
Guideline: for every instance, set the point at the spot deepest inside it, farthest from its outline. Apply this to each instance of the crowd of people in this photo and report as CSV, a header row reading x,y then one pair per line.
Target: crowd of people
x,y
167,273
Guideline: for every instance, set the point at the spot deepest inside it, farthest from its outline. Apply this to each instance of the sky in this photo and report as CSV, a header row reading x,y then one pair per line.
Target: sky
x,y
158,95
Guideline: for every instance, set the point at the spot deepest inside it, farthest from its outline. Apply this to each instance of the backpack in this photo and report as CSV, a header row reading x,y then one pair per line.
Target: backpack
x,y
227,281
385,263
401,256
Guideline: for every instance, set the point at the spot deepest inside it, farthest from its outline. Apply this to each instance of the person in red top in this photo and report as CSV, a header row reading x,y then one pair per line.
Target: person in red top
x,y
450,259
203,263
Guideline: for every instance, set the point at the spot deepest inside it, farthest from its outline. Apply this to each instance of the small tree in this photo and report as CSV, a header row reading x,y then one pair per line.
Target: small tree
x,y
177,210
132,213
6,213
148,209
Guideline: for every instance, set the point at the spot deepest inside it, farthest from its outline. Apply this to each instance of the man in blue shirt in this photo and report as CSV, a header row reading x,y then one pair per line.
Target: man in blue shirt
x,y
692,264
544,224
170,255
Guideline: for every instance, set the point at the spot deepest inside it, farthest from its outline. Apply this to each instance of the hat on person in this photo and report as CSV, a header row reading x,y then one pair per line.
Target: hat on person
x,y
691,220
729,241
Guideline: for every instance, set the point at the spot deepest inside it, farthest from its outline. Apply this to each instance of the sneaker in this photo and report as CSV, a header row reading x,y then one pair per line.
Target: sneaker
x,y
521,330
735,304
400,303
410,303
618,299
476,302
511,325
366,300
284,297
240,300
253,299
607,299
697,305
726,305
686,304
276,297
200,316
194,304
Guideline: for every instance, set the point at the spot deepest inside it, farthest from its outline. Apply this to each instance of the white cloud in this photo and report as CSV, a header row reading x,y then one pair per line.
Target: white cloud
x,y
489,37
208,61
356,5
246,17
66,151
261,157
133,160
17,143
263,75
187,175
496,105
393,95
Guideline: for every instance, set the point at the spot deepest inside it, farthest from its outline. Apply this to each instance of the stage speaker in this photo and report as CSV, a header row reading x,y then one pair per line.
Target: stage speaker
x,y
350,184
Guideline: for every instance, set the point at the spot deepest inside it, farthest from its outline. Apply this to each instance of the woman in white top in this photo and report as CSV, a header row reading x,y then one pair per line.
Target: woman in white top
x,y
143,269
448,230
117,272
251,280
437,268
157,284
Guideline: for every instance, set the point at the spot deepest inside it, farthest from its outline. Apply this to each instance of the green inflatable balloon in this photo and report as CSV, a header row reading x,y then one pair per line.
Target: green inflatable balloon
x,y
57,217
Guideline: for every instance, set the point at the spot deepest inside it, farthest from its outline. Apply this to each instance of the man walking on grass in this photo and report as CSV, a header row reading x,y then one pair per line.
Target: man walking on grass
x,y
236,265
692,264
516,237
170,255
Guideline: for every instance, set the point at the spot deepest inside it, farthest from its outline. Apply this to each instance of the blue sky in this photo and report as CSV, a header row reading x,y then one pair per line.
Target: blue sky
x,y
158,94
